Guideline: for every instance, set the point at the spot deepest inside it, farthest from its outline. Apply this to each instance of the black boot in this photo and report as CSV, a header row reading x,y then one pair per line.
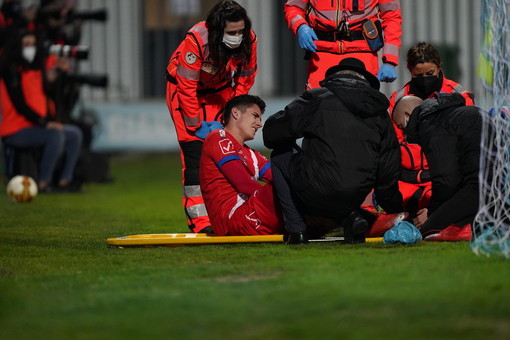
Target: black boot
x,y
295,238
355,227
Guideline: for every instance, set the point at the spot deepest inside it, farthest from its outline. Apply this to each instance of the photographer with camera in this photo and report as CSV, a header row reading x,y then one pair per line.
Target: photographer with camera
x,y
27,120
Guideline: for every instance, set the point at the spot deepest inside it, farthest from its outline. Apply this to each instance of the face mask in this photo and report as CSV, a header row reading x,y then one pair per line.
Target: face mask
x,y
232,41
29,53
423,87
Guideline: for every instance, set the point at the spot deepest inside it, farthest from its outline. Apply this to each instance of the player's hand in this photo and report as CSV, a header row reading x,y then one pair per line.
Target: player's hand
x,y
207,127
387,73
421,217
306,36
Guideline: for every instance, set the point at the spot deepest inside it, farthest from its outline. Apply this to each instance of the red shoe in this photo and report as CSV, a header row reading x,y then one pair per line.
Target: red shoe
x,y
384,222
452,234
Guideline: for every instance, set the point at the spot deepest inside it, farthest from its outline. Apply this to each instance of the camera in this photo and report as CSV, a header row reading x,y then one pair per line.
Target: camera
x,y
78,52
94,80
71,16
97,15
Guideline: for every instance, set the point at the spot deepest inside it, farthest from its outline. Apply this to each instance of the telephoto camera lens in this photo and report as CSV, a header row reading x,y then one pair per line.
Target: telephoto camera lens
x,y
77,52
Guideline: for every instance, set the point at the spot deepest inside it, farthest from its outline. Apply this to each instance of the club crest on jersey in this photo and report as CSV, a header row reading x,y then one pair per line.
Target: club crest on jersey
x,y
226,146
191,58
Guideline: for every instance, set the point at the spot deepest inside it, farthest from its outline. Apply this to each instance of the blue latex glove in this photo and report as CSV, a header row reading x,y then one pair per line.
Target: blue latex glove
x,y
306,36
402,232
215,125
207,127
387,73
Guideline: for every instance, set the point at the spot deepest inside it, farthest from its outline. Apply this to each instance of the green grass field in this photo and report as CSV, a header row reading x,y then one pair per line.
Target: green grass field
x,y
59,279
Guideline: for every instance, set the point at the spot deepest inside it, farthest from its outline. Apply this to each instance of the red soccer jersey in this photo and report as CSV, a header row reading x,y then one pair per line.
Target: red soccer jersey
x,y
220,196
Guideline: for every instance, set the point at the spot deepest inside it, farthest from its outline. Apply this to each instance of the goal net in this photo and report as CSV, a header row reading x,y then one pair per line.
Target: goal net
x,y
492,223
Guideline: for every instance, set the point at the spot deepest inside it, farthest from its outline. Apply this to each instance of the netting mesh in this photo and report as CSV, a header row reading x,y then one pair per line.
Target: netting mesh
x,y
492,223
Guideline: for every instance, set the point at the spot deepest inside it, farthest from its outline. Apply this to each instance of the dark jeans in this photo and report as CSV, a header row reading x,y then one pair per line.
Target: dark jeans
x,y
296,215
280,167
53,144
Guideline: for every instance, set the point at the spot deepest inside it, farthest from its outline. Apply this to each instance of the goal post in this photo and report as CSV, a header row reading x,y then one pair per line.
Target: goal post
x,y
492,223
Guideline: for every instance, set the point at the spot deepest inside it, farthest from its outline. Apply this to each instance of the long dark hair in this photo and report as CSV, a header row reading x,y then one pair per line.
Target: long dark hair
x,y
223,11
12,54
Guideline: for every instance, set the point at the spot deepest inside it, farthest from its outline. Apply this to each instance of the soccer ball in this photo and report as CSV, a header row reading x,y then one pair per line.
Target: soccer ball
x,y
22,188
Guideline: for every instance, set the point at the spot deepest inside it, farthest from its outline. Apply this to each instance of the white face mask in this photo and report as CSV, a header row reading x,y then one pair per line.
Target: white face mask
x,y
29,53
232,41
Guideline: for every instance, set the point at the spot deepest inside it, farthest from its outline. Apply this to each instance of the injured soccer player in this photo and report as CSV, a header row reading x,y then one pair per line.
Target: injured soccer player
x,y
231,174
449,134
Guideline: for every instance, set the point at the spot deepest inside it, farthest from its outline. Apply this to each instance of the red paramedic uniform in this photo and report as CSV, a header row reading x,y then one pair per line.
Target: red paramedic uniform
x,y
197,91
328,17
412,156
233,212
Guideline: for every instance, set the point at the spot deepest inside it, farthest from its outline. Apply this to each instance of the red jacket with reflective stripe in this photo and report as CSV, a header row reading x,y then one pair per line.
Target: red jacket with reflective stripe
x,y
33,91
327,15
412,156
194,71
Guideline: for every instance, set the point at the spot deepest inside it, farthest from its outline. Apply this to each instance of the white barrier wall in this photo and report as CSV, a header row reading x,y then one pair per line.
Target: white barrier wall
x,y
116,49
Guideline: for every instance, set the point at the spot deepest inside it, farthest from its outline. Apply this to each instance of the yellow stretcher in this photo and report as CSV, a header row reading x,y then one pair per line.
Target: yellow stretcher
x,y
201,238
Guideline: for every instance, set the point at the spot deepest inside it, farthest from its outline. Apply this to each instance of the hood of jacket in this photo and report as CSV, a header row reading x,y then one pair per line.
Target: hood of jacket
x,y
357,95
441,103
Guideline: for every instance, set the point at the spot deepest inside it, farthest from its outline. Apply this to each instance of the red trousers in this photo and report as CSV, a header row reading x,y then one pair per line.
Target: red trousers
x,y
211,106
257,216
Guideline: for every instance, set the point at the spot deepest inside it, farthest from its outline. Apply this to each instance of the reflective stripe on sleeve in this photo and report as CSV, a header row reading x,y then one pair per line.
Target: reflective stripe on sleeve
x,y
298,3
459,89
186,73
202,32
391,49
393,5
296,19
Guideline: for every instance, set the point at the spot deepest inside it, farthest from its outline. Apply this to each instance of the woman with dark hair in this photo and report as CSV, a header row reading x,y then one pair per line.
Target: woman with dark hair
x,y
26,120
215,62
427,78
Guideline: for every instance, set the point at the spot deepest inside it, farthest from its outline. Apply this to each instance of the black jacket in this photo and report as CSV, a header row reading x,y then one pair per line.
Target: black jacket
x,y
449,133
349,147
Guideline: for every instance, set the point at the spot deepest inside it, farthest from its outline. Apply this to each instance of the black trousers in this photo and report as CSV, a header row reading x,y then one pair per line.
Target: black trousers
x,y
292,208
280,166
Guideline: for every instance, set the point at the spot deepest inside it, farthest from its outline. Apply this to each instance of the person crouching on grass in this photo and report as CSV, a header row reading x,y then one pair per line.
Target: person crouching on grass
x,y
449,132
230,171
